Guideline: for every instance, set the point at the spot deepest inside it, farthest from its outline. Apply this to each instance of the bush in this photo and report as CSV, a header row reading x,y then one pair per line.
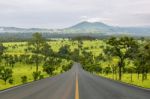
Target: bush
x,y
24,79
67,67
41,77
36,75
11,81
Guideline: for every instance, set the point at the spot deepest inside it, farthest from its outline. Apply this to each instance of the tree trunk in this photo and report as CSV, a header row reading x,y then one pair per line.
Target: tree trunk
x,y
121,63
131,76
113,74
37,64
37,67
146,74
5,82
120,75
138,75
142,75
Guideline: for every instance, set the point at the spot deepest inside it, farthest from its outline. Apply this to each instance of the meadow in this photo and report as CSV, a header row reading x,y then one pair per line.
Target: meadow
x,y
22,69
93,46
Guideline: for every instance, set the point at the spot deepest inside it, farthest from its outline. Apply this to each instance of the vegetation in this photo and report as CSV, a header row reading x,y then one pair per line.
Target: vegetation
x,y
5,73
22,62
119,58
24,79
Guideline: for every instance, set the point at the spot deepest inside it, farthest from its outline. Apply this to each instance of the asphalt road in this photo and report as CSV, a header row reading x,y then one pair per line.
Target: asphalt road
x,y
75,84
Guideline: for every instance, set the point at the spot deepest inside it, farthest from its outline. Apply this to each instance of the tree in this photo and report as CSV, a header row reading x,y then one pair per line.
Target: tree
x,y
36,45
48,68
67,67
123,48
87,61
2,48
64,51
75,55
5,73
80,45
47,50
107,70
143,60
11,61
131,70
95,68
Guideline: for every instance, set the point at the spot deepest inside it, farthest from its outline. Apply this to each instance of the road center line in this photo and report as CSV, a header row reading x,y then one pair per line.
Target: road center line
x,y
77,88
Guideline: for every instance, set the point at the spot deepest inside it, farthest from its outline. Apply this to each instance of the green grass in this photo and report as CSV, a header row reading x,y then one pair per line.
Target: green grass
x,y
20,69
27,70
127,79
94,46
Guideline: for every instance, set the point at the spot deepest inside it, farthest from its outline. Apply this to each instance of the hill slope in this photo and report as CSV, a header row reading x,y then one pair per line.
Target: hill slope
x,y
98,27
84,27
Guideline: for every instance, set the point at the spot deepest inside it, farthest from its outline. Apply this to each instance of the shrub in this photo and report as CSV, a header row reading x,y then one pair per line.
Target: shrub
x,y
36,75
11,81
24,79
41,77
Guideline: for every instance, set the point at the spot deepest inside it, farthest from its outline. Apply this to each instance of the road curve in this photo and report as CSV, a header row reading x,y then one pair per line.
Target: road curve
x,y
75,84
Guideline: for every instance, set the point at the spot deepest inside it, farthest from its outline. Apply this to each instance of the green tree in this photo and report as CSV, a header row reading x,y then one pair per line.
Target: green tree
x,y
143,60
11,61
107,70
67,67
48,68
5,73
2,49
75,55
47,51
64,51
35,46
123,48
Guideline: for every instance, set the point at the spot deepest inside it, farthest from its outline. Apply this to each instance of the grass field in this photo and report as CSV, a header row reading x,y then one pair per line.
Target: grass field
x,y
21,69
27,70
127,79
95,46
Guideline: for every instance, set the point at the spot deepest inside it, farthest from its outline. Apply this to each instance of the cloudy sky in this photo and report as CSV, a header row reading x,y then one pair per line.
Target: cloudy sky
x,y
64,13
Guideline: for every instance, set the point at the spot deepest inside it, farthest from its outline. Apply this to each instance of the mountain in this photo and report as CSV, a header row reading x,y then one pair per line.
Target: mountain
x,y
84,28
88,27
98,27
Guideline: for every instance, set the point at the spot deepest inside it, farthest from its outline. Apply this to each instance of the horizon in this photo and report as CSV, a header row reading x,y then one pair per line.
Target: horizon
x,y
55,14
73,25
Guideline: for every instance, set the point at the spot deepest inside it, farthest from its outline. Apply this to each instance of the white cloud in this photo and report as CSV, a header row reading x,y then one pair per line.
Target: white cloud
x,y
93,19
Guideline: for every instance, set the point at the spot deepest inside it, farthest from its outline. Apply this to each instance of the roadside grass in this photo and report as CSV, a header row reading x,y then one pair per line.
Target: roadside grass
x,y
20,70
127,79
94,46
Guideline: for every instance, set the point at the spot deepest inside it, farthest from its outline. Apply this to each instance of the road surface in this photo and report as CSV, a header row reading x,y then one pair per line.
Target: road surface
x,y
75,84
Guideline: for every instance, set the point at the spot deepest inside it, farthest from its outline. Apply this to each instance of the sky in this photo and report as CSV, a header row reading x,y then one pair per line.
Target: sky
x,y
64,13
